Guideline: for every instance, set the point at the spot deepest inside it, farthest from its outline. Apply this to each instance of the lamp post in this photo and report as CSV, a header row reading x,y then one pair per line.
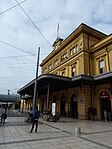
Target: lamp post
x,y
35,85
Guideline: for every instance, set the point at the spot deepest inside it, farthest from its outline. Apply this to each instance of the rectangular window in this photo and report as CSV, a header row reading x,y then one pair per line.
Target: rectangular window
x,y
81,46
73,71
63,73
71,52
76,48
61,58
56,62
64,56
50,66
102,66
45,70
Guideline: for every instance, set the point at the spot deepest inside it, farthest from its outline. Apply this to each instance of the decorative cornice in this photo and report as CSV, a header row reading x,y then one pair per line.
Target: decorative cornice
x,y
82,28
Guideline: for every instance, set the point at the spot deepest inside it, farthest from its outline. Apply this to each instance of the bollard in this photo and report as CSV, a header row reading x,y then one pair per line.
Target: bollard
x,y
77,131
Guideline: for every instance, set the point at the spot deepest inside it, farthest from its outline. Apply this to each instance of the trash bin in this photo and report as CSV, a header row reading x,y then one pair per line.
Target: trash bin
x,y
77,131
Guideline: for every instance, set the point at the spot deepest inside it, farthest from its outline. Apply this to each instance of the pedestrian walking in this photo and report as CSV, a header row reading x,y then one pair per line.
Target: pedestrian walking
x,y
36,115
105,115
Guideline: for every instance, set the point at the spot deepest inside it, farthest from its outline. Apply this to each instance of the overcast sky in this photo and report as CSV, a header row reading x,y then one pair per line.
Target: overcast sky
x,y
20,37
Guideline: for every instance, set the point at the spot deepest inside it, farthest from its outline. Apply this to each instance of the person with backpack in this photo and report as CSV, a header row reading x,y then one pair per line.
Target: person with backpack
x,y
36,115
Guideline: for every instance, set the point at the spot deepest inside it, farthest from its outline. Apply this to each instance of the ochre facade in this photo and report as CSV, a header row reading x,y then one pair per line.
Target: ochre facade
x,y
86,52
89,48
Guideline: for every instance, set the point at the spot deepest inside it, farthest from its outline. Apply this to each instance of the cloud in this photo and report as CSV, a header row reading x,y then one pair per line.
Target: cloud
x,y
18,30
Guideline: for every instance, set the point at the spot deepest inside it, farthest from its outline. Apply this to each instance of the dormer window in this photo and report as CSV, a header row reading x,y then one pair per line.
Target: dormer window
x,y
57,43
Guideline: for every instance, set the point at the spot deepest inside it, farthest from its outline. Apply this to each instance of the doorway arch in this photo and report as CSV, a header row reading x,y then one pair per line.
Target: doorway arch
x,y
73,106
62,106
105,103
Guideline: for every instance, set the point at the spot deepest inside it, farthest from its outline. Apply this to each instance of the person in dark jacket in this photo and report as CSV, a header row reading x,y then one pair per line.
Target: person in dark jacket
x,y
36,115
89,113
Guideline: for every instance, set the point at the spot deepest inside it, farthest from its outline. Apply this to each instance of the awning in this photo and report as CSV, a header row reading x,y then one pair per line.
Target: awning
x,y
9,98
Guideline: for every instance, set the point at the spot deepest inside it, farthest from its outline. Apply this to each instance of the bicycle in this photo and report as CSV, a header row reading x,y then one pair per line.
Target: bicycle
x,y
29,118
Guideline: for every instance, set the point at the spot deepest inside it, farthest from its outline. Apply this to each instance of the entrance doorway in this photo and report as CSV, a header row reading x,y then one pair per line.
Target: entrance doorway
x,y
62,106
73,106
42,107
105,103
62,109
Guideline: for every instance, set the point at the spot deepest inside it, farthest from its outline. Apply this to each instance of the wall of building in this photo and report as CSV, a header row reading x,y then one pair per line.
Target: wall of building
x,y
110,56
83,100
86,61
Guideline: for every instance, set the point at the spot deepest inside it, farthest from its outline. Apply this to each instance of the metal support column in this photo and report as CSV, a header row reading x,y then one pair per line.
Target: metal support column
x,y
48,89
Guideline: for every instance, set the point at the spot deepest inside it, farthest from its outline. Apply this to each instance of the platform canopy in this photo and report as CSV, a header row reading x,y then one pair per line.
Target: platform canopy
x,y
57,82
9,98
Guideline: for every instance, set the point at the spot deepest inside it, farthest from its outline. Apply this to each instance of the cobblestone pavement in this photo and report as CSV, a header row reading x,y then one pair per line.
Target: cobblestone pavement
x,y
56,135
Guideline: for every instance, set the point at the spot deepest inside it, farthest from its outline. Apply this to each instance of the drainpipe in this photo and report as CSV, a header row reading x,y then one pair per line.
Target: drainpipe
x,y
91,87
89,56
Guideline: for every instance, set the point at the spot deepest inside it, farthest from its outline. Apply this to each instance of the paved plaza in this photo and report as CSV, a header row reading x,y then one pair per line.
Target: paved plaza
x,y
55,135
